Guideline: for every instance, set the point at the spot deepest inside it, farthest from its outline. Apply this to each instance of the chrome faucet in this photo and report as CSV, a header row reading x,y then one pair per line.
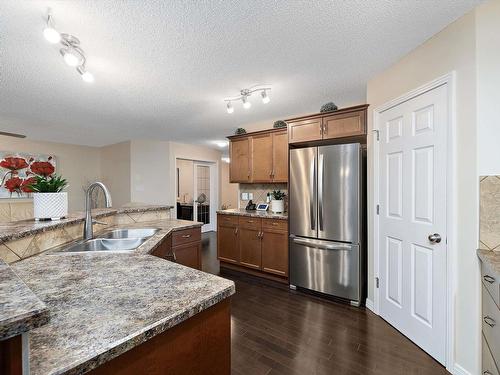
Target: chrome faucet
x,y
88,233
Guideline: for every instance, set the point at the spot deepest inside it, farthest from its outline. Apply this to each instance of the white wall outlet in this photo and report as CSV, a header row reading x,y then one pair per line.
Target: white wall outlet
x,y
250,195
244,196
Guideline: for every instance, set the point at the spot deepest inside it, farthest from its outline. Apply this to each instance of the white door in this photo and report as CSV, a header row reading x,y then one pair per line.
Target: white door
x,y
412,260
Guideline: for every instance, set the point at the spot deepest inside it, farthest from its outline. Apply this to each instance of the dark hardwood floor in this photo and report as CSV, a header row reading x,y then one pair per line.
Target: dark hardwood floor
x,y
279,331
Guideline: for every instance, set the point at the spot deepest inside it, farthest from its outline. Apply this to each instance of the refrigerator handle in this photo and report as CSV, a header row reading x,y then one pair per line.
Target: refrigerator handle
x,y
323,245
312,181
320,190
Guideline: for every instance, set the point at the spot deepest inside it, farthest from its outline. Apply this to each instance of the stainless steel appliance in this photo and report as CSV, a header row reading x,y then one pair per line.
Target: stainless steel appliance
x,y
326,220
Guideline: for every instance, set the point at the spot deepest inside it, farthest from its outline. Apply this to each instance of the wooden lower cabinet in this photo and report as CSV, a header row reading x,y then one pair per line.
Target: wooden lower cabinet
x,y
254,245
250,247
201,345
183,247
188,255
275,252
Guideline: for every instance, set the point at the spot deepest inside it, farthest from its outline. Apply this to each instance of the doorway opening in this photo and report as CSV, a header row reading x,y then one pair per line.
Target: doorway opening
x,y
196,192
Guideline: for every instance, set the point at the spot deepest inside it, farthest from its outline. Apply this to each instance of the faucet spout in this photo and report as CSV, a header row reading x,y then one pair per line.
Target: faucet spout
x,y
88,233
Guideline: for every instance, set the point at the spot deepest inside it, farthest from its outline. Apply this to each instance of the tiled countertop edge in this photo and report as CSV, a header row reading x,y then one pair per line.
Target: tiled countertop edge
x,y
16,231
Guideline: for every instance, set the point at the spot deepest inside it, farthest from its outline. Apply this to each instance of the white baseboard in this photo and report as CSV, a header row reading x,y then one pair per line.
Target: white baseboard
x,y
369,305
456,369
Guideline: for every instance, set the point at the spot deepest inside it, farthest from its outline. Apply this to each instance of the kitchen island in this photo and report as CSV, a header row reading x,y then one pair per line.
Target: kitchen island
x,y
128,312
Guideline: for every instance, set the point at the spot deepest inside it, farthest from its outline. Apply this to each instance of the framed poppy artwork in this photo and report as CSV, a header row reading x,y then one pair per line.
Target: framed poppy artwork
x,y
18,172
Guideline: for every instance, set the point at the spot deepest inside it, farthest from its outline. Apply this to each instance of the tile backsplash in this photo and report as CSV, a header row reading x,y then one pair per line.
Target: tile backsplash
x,y
15,210
489,213
260,191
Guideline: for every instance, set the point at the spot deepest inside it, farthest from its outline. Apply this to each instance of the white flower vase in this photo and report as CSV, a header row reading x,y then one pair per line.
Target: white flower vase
x,y
50,206
277,206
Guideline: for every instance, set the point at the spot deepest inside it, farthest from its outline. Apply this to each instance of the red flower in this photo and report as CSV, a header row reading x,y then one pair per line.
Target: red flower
x,y
42,168
14,184
13,163
25,185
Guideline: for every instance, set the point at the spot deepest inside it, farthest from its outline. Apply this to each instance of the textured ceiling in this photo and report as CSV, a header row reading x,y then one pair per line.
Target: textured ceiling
x,y
162,68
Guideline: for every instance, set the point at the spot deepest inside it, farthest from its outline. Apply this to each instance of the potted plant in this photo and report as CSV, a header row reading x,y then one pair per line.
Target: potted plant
x,y
277,202
49,200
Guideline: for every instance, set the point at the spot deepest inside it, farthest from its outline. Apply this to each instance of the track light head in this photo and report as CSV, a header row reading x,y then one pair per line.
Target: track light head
x,y
229,107
246,103
265,98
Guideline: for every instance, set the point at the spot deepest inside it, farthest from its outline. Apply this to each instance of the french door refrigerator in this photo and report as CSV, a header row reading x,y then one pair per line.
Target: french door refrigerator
x,y
325,216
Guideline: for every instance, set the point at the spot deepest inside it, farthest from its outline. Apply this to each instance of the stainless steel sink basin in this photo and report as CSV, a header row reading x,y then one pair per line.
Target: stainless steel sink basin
x,y
106,244
130,233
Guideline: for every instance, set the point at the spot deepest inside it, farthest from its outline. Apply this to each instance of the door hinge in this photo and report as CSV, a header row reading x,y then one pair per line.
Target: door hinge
x,y
377,282
377,134
378,209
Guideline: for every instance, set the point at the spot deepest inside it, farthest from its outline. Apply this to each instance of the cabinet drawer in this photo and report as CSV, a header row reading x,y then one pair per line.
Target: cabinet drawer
x,y
250,222
185,236
275,224
491,282
227,220
488,367
491,324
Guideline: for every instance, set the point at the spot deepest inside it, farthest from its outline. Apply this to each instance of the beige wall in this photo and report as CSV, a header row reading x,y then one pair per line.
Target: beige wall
x,y
186,187
78,164
151,182
115,172
453,49
488,84
228,191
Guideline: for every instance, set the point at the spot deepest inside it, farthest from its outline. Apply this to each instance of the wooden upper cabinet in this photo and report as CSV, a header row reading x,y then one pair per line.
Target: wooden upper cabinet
x,y
262,157
239,152
264,154
303,131
344,125
280,156
345,122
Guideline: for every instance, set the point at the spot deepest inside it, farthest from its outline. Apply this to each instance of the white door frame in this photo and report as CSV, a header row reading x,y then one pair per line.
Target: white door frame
x,y
451,199
214,183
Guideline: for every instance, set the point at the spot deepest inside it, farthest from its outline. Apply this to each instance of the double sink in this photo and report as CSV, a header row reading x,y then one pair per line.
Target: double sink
x,y
115,240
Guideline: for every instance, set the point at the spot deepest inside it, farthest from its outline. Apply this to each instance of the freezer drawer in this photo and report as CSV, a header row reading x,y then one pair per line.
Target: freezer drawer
x,y
325,266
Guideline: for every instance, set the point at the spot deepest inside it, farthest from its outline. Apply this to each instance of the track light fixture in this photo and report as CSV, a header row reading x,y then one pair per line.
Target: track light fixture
x,y
71,51
245,93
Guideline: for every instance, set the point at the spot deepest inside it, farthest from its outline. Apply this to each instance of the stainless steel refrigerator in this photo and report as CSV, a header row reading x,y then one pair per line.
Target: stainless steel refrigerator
x,y
326,216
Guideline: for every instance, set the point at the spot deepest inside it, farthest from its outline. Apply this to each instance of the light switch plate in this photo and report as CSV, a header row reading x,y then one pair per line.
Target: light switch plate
x,y
244,196
250,195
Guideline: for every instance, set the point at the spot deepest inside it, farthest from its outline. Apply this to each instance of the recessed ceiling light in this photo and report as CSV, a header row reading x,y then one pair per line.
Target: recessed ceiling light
x,y
221,144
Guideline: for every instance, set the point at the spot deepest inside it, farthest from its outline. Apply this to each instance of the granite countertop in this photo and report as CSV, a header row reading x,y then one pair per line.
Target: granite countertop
x,y
19,229
262,214
103,303
492,259
20,309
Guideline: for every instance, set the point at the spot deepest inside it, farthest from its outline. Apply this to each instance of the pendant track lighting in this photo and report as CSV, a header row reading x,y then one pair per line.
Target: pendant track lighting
x,y
245,93
71,51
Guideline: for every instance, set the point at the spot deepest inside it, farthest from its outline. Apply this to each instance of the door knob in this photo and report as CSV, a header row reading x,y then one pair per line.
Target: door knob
x,y
435,238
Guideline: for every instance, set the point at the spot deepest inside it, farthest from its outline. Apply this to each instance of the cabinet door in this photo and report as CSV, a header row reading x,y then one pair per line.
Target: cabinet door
x,y
227,244
280,157
262,158
163,250
239,153
303,131
188,255
250,250
275,252
344,125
